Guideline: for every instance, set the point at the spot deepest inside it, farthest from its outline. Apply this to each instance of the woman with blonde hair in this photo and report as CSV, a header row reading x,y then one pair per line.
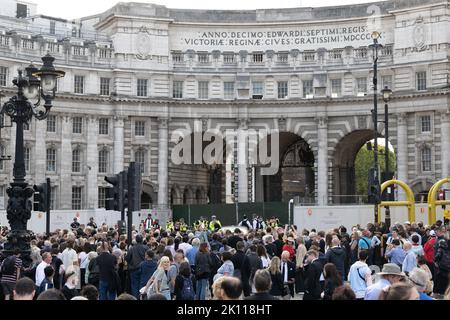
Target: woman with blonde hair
x,y
300,257
277,289
159,282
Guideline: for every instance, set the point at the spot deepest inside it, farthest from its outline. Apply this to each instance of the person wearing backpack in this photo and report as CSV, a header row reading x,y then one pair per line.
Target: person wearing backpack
x,y
442,266
184,283
10,270
360,276
365,243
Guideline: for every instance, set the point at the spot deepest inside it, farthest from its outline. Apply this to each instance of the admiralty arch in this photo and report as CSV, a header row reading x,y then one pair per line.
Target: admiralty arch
x,y
139,72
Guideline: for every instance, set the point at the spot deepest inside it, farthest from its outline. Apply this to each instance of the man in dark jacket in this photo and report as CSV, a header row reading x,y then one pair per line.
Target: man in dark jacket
x,y
106,264
252,262
288,273
235,238
134,258
337,256
263,282
312,279
238,259
147,268
271,248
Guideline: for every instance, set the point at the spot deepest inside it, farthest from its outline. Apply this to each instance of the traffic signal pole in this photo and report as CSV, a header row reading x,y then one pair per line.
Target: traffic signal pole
x,y
47,218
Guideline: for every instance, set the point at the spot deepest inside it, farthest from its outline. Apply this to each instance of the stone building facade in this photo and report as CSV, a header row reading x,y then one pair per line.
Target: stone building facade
x,y
137,73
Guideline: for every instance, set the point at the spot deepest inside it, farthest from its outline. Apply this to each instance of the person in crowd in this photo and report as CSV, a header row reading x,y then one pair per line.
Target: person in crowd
x,y
360,276
107,267
442,266
400,291
233,240
395,253
312,276
227,268
147,268
365,243
336,255
410,261
238,259
40,274
10,270
428,250
90,292
277,288
203,266
251,263
262,253
290,247
300,258
343,292
271,248
192,252
288,274
420,279
69,290
332,280
422,264
231,288
184,283
390,274
159,282
135,256
47,283
52,295
263,284
24,289
416,246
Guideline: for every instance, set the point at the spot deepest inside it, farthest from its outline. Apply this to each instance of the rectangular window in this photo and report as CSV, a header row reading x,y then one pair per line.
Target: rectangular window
x,y
77,125
177,91
257,57
103,159
52,27
282,89
228,58
336,87
51,160
203,89
386,81
53,198
22,10
51,123
203,58
27,44
103,124
307,87
104,53
104,86
177,57
78,84
101,197
228,90
361,85
139,128
76,160
142,87
421,80
3,76
52,47
336,55
426,159
27,158
258,88
425,123
76,198
139,157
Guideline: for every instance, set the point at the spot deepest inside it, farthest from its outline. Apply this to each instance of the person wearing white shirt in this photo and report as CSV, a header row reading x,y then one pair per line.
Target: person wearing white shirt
x,y
40,274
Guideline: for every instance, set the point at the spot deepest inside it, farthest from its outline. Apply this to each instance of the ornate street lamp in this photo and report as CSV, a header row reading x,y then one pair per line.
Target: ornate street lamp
x,y
375,187
35,85
387,93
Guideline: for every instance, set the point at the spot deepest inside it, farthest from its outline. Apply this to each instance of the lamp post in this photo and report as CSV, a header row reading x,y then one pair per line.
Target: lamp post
x,y
387,93
35,85
376,182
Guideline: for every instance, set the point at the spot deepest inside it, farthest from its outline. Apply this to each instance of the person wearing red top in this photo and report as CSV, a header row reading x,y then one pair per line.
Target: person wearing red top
x,y
290,247
428,250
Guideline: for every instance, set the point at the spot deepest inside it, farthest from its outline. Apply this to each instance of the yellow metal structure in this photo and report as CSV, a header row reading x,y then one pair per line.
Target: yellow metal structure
x,y
409,203
432,202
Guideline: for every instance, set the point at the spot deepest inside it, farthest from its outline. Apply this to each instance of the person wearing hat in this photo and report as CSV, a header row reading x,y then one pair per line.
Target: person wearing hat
x,y
420,279
245,223
390,274
214,225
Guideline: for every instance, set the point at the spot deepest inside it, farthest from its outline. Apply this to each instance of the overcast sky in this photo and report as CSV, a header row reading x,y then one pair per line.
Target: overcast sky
x,y
81,8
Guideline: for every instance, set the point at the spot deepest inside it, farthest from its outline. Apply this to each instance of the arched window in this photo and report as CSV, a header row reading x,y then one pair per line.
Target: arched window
x,y
76,160
103,159
139,157
426,159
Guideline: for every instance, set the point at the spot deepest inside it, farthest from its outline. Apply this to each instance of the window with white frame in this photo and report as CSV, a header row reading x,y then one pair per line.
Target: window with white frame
x,y
361,85
142,87
203,89
307,87
103,126
203,58
425,123
139,128
139,157
3,76
76,160
103,159
101,197
258,87
52,27
177,89
421,80
53,198
257,57
51,123
104,86
336,87
51,160
228,58
228,90
426,159
77,198
77,125
27,158
282,89
78,84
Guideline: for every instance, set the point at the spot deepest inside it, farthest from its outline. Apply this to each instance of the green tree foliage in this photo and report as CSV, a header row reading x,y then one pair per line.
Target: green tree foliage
x,y
364,161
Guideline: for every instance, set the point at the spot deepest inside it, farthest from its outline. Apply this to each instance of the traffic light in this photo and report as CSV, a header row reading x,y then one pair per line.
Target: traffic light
x,y
114,196
442,197
373,187
134,187
41,196
109,198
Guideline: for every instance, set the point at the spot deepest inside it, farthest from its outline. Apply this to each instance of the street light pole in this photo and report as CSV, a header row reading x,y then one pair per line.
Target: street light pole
x,y
36,84
386,92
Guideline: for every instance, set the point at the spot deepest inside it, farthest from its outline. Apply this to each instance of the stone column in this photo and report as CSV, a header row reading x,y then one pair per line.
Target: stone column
x,y
445,146
118,144
322,161
163,161
402,152
92,163
66,164
242,157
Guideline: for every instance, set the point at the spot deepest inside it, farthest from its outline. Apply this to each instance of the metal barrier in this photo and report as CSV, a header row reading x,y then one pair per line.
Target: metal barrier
x,y
409,203
432,202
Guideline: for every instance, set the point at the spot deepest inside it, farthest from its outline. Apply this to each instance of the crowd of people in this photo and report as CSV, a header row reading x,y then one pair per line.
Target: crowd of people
x,y
257,260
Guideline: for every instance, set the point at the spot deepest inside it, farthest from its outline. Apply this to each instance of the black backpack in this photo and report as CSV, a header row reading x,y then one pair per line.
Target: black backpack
x,y
216,263
9,265
444,262
187,293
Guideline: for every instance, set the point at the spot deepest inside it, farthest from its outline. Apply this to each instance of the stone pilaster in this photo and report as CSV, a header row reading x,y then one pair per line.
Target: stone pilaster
x,y
242,157
118,144
66,164
445,147
402,152
322,161
163,161
40,153
92,163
